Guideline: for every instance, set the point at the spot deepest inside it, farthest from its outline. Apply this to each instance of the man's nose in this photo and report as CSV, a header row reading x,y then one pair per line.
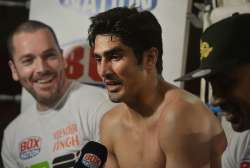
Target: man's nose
x,y
104,67
41,65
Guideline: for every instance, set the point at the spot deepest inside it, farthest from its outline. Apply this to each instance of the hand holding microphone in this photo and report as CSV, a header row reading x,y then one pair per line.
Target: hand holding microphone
x,y
93,155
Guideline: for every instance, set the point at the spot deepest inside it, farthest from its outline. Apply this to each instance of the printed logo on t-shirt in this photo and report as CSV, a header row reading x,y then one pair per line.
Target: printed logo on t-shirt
x,y
245,164
29,147
66,137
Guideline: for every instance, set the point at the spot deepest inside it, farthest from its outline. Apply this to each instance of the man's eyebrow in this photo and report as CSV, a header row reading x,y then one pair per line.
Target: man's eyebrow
x,y
112,51
20,58
109,52
49,50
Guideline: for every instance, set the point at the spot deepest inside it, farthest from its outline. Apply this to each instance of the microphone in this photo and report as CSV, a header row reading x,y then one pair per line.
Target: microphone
x,y
93,155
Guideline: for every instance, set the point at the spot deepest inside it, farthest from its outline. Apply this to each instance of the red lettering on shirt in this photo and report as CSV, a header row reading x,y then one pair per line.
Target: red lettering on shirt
x,y
245,164
67,142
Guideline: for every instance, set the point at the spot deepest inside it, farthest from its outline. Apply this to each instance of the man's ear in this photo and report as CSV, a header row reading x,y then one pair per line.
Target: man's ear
x,y
150,58
13,70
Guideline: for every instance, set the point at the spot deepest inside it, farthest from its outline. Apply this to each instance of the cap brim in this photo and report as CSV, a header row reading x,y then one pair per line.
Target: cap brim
x,y
199,73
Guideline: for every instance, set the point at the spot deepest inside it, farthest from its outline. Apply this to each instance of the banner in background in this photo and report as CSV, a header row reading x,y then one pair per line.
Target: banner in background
x,y
70,20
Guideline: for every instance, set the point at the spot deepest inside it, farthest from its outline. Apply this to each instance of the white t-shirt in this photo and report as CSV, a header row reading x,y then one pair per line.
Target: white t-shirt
x,y
55,137
237,153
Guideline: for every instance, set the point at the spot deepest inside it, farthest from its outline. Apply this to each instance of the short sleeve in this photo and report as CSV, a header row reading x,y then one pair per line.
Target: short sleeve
x,y
8,159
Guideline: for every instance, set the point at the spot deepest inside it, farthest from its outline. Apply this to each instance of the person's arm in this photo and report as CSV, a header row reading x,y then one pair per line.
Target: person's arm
x,y
218,143
111,161
8,159
187,136
106,139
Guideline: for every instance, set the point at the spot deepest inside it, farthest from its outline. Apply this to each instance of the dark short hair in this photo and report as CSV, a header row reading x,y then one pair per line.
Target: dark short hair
x,y
28,26
139,30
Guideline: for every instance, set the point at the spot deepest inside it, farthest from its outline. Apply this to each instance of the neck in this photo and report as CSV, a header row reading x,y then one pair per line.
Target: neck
x,y
147,103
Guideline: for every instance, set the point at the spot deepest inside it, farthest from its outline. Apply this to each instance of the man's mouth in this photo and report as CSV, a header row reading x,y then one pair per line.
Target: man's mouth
x,y
235,113
113,86
235,120
45,81
230,117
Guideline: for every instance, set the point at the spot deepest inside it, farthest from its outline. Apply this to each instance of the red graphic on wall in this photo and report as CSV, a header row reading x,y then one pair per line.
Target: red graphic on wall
x,y
76,68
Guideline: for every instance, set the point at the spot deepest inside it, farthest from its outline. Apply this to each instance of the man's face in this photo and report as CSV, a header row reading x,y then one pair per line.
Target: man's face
x,y
118,68
232,93
38,65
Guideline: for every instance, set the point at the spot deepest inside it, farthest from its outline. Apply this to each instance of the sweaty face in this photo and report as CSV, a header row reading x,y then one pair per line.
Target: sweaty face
x,y
232,94
118,68
39,65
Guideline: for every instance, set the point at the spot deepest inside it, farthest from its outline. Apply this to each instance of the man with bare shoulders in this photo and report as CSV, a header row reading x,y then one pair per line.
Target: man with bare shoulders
x,y
157,125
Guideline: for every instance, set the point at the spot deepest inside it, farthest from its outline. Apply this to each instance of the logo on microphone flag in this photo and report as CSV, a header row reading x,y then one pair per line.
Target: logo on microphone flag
x,y
90,160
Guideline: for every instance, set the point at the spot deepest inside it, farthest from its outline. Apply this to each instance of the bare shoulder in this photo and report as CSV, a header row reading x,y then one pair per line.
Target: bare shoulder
x,y
178,103
189,134
113,116
111,124
187,127
184,112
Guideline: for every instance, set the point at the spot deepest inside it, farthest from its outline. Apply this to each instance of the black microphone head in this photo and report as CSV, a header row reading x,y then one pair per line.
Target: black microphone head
x,y
93,155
